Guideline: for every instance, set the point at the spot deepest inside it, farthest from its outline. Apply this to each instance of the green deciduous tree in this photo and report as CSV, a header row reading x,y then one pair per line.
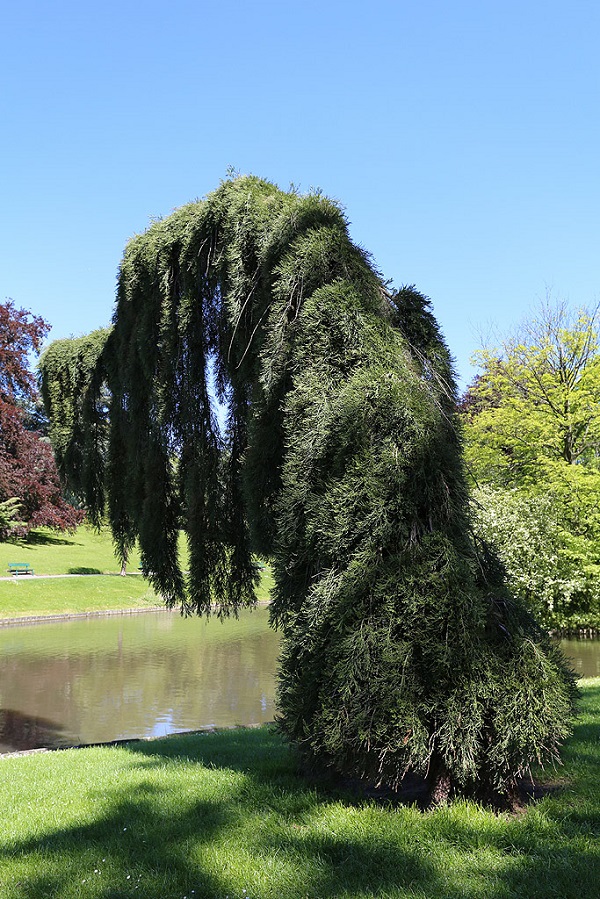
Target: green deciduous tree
x,y
532,427
556,572
401,648
536,401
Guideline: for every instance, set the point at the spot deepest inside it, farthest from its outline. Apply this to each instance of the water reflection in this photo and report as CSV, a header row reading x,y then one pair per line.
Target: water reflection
x,y
93,680
584,656
100,679
21,731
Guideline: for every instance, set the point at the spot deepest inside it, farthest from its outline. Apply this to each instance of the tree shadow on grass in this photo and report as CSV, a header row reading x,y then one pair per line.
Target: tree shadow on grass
x,y
36,538
130,849
562,861
83,570
591,697
583,745
230,829
225,812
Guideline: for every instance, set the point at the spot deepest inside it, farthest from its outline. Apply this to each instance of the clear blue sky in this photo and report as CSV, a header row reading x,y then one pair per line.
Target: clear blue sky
x,y
463,139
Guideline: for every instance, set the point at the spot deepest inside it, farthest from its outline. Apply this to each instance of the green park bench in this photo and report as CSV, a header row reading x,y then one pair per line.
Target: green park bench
x,y
20,568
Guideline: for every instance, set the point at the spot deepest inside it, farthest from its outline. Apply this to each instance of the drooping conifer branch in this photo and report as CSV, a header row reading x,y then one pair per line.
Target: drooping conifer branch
x,y
340,459
75,394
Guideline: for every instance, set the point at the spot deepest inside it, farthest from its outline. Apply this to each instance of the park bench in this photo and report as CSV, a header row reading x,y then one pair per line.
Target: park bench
x,y
19,568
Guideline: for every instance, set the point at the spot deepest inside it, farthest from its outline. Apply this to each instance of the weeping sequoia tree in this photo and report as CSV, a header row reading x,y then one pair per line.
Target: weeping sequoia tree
x,y
341,460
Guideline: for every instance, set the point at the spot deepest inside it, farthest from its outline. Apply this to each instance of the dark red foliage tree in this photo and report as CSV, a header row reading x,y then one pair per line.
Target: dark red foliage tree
x,y
27,468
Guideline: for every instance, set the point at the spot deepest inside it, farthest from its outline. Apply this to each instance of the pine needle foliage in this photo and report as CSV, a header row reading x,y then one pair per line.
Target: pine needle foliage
x,y
73,388
341,459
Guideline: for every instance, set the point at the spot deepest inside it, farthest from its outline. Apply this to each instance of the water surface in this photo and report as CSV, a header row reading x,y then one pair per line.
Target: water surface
x,y
99,679
584,656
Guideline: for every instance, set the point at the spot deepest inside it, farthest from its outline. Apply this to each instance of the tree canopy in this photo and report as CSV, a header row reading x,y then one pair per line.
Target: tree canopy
x,y
73,388
532,427
341,459
30,489
535,403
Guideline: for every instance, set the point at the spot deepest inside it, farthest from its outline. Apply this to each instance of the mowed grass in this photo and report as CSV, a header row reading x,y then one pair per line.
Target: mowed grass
x,y
85,552
24,597
228,815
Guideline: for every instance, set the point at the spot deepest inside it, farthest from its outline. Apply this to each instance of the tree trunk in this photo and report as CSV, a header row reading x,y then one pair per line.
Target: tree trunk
x,y
441,784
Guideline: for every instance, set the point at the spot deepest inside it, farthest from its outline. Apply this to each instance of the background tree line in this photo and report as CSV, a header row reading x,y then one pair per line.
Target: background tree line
x,y
31,493
531,422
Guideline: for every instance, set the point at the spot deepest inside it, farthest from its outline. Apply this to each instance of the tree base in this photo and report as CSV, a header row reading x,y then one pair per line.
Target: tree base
x,y
435,791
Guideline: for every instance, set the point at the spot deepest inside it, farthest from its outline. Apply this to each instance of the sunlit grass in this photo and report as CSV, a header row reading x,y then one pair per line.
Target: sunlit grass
x,y
88,551
228,814
50,552
25,597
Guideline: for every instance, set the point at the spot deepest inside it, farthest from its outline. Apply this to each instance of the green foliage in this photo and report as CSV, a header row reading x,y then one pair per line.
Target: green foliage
x,y
536,399
555,571
532,429
72,381
402,649
10,511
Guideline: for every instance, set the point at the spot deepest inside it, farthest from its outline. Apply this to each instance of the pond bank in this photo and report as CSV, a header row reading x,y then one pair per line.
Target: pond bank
x,y
73,616
49,596
100,613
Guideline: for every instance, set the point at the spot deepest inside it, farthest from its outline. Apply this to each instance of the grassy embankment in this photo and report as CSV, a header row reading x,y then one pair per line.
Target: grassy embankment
x,y
227,815
87,553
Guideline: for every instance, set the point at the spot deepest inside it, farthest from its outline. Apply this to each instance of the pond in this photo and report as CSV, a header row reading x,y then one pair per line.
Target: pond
x,y
584,655
98,679
94,680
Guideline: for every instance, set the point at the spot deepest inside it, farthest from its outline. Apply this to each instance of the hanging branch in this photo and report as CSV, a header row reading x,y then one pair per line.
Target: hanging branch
x,y
341,459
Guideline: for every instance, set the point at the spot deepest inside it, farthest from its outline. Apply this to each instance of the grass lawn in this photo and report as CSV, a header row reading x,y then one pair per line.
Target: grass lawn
x,y
85,552
227,815
49,552
24,596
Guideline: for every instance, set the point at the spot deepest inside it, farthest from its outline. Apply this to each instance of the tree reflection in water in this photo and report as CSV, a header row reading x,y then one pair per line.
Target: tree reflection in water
x,y
95,680
19,731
